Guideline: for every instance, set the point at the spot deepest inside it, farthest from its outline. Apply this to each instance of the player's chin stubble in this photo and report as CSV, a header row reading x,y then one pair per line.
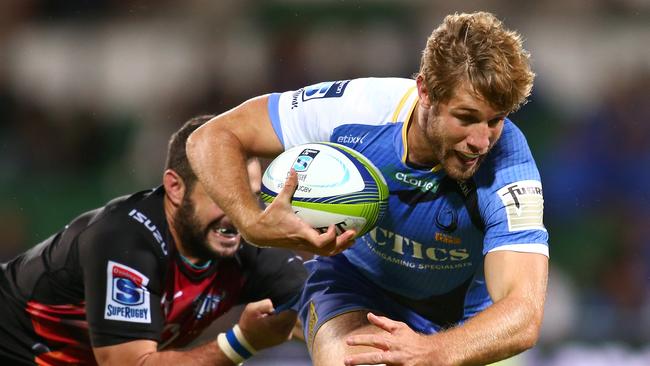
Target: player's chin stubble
x,y
193,237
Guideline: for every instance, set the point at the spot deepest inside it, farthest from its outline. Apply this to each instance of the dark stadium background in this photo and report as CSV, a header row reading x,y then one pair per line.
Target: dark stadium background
x,y
91,90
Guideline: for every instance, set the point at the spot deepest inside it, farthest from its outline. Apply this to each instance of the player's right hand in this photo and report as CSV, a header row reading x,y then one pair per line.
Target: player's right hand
x,y
278,226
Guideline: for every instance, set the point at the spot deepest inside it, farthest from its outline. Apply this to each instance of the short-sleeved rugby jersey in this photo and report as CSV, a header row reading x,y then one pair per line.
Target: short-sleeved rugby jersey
x,y
427,243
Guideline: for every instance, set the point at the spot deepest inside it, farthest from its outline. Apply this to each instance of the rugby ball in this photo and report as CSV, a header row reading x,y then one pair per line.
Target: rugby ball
x,y
336,185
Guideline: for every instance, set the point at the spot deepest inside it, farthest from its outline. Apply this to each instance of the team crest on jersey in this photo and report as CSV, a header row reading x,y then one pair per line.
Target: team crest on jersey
x,y
328,89
208,304
524,203
127,297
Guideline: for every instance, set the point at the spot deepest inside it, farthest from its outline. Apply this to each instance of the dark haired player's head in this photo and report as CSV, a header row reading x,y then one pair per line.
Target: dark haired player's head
x,y
202,228
176,156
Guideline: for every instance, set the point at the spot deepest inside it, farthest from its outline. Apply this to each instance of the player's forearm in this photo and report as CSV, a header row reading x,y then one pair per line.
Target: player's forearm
x,y
206,354
507,328
143,353
219,161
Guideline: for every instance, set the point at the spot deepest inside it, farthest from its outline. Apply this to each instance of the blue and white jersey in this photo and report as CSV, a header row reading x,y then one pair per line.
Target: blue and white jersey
x,y
426,244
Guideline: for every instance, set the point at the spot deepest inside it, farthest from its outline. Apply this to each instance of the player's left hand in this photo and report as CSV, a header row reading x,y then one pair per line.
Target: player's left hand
x,y
263,327
400,345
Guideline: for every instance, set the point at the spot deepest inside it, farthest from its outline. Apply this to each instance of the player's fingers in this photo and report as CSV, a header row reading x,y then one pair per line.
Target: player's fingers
x,y
384,323
369,358
264,306
370,340
345,240
328,243
325,241
290,186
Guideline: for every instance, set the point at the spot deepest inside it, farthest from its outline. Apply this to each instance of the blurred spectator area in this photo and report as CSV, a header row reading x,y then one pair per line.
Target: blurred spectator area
x,y
91,90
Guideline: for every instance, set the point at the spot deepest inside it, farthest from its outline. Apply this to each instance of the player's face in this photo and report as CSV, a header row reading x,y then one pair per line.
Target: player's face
x,y
204,229
461,132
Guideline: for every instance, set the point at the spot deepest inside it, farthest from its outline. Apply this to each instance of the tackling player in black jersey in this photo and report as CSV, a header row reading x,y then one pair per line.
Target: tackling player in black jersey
x,y
124,283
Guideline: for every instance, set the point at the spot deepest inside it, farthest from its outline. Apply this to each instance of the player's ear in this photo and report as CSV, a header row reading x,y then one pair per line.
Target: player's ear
x,y
174,186
423,92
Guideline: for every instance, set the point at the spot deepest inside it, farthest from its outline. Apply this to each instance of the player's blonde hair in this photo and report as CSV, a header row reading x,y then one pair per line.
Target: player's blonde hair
x,y
477,48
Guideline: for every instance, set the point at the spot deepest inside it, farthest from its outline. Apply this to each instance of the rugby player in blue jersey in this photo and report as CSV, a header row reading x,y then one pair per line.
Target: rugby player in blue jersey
x,y
456,271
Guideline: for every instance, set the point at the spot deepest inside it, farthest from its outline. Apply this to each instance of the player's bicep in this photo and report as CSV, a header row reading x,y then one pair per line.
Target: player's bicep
x,y
510,273
129,353
122,286
247,126
311,114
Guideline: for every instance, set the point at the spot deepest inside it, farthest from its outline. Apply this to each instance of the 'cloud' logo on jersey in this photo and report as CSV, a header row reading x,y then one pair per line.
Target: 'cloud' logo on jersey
x,y
524,203
127,297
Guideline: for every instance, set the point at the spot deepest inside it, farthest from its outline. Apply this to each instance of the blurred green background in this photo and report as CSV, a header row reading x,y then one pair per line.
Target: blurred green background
x,y
90,91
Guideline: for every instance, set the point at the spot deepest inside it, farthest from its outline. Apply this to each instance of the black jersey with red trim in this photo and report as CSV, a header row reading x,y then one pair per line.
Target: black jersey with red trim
x,y
113,275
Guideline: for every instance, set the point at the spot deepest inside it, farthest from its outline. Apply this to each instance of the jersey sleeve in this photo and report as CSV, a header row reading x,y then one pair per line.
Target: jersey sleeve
x,y
122,283
311,114
272,273
511,197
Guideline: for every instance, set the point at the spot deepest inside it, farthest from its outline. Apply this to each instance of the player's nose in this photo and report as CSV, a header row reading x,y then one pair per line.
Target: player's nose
x,y
478,139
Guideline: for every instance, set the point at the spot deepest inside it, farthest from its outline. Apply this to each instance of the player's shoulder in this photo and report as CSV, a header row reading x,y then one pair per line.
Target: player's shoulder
x,y
386,87
511,149
384,82
135,219
510,160
368,88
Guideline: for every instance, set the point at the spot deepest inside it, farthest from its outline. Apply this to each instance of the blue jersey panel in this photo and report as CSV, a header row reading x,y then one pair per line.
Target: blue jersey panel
x,y
508,179
275,116
426,243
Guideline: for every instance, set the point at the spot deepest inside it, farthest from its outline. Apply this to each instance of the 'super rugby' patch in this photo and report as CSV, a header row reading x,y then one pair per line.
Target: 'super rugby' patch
x,y
127,297
524,203
328,89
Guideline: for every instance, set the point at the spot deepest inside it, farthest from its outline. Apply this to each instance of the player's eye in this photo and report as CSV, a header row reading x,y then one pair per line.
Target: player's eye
x,y
467,118
495,121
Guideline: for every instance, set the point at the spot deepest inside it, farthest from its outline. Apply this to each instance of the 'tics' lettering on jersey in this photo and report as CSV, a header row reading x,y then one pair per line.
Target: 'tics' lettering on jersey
x,y
127,297
410,251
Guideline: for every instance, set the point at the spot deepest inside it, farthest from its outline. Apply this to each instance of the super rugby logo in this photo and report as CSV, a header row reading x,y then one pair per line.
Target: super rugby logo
x,y
127,287
524,203
127,297
304,160
328,89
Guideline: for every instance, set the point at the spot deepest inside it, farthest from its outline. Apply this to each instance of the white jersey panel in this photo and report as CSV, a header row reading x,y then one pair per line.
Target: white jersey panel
x,y
310,114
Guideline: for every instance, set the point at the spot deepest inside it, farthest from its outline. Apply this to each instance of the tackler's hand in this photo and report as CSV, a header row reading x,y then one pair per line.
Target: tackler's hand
x,y
263,327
